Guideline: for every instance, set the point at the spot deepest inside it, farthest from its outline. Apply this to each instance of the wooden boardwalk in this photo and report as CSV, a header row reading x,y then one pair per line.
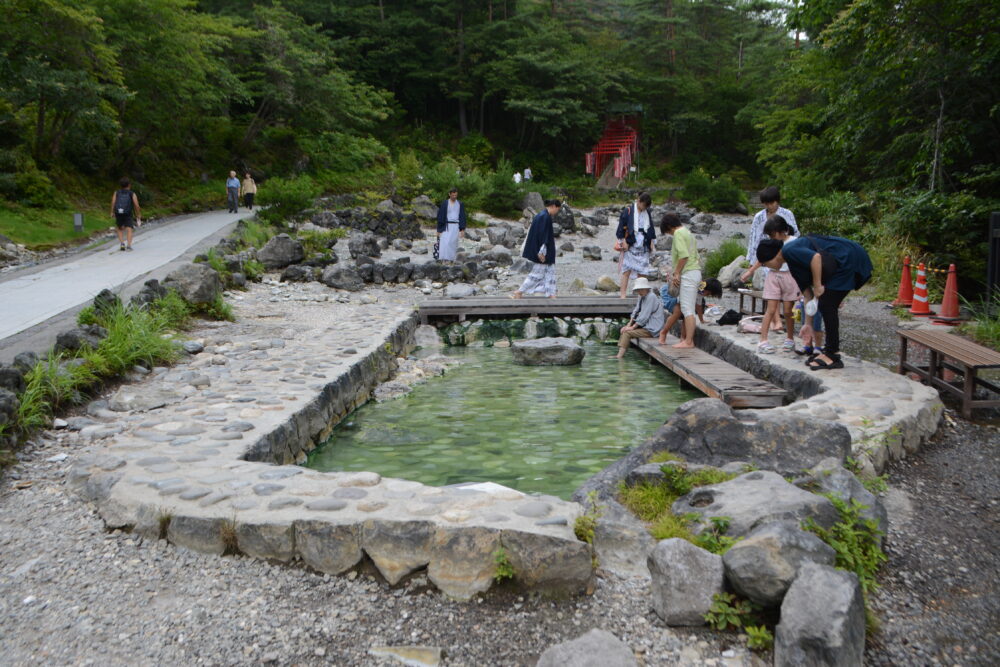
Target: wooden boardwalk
x,y
713,376
501,307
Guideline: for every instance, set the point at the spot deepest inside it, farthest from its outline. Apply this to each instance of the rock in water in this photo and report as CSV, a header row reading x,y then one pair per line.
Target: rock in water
x,y
822,620
764,564
597,648
606,284
684,579
547,352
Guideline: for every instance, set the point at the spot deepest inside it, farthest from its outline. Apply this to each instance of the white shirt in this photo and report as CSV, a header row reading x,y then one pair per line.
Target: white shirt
x,y
757,232
527,174
517,177
454,210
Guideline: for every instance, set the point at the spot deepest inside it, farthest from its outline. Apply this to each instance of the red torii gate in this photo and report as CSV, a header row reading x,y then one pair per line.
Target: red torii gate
x,y
618,145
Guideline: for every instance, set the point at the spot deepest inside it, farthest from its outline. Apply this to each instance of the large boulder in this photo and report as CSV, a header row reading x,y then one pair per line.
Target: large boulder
x,y
364,245
388,206
424,207
822,620
459,291
597,648
729,275
340,277
196,283
297,273
499,254
764,564
9,405
565,218
752,500
11,378
606,284
281,251
534,201
500,235
547,352
87,335
151,291
591,252
828,476
684,580
706,430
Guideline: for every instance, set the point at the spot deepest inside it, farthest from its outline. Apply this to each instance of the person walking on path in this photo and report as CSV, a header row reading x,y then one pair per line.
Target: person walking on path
x,y
646,320
233,192
540,248
825,268
126,212
780,286
248,189
527,173
451,221
635,240
686,275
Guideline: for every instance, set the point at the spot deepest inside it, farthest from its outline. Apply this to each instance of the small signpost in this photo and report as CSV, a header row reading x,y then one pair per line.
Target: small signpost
x,y
78,222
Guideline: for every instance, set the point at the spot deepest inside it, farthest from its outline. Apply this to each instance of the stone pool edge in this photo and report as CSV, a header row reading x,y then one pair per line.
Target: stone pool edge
x,y
402,526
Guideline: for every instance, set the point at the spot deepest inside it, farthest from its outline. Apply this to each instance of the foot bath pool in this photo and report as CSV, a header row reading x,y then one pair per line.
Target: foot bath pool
x,y
533,428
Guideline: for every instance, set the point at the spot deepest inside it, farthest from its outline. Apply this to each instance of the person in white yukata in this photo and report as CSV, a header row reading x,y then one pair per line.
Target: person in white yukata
x,y
635,235
450,226
540,248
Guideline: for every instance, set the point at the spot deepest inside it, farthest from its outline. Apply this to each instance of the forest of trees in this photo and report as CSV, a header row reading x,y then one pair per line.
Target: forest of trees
x,y
879,119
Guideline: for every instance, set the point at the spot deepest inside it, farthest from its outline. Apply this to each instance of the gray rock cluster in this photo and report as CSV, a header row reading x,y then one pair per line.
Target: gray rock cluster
x,y
281,251
387,219
196,283
547,352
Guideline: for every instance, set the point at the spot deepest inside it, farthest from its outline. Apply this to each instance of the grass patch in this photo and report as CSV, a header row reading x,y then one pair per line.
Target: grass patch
x,y
219,309
651,502
985,327
253,233
46,228
664,456
253,270
319,241
723,256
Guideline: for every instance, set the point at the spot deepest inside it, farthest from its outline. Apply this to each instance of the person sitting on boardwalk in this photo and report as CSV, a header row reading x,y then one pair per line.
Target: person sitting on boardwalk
x,y
635,234
451,220
646,320
687,273
125,210
825,268
540,248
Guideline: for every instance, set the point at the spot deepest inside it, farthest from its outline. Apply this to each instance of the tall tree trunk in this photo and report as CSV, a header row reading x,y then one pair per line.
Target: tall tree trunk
x,y
381,11
938,130
39,127
490,11
739,61
671,33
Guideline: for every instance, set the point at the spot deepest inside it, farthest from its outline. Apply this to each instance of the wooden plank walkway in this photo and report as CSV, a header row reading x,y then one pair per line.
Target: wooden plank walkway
x,y
504,307
713,376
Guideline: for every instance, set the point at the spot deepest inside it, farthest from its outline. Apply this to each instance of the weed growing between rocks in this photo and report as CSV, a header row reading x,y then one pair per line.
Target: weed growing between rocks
x,y
985,326
651,502
723,256
318,241
855,539
585,526
504,568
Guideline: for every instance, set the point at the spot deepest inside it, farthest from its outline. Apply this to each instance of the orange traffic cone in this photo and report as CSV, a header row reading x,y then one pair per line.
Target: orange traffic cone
x,y
905,295
949,313
920,306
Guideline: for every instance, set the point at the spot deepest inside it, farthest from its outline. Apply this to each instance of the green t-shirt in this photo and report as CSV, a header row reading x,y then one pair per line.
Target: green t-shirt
x,y
684,245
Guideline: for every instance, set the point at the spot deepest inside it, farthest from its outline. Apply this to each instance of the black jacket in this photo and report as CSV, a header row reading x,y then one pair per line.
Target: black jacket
x,y
540,234
443,216
626,228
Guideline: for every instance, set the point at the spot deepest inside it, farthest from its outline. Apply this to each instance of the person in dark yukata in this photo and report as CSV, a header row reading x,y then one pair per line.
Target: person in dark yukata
x,y
540,248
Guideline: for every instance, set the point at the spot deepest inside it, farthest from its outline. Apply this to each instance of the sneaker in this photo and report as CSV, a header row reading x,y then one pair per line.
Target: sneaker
x,y
788,345
129,248
122,248
765,348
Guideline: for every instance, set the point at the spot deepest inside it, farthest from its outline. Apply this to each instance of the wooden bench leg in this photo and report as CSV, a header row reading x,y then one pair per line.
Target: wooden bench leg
x,y
968,390
901,369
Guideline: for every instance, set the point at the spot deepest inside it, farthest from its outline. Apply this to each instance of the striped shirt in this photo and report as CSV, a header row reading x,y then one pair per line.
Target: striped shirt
x,y
757,232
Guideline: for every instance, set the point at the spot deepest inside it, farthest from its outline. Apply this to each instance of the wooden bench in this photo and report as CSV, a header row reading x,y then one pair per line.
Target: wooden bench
x,y
504,307
754,296
966,358
713,376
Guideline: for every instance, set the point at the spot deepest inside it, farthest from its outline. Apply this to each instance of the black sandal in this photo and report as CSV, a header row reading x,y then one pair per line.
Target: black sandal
x,y
818,364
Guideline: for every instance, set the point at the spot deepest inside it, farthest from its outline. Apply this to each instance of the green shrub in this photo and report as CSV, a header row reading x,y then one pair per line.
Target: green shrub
x,y
219,309
253,234
730,611
504,569
708,193
253,270
501,196
722,256
135,336
172,311
985,325
87,316
285,198
855,539
319,241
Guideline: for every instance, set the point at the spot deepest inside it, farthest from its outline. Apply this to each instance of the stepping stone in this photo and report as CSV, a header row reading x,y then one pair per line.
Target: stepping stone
x,y
281,503
245,504
173,490
267,489
352,493
326,505
281,473
194,494
213,498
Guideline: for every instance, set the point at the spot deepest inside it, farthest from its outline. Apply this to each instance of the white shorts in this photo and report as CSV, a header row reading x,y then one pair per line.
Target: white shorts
x,y
690,280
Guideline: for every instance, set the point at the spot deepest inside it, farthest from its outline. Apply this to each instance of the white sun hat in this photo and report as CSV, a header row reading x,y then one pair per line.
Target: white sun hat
x,y
641,283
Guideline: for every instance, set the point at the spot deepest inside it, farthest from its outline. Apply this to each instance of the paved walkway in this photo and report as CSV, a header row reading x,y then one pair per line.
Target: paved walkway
x,y
35,296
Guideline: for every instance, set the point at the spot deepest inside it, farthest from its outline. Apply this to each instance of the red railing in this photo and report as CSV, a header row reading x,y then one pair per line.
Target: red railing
x,y
618,145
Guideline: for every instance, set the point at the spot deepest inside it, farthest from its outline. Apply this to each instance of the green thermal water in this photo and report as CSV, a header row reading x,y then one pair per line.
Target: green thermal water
x,y
532,428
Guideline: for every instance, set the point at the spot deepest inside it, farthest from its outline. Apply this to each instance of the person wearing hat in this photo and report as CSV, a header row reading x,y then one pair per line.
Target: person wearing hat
x,y
646,319
825,268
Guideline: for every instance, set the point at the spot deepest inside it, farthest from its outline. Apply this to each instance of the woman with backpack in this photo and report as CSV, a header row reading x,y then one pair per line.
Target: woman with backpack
x,y
825,268
126,212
